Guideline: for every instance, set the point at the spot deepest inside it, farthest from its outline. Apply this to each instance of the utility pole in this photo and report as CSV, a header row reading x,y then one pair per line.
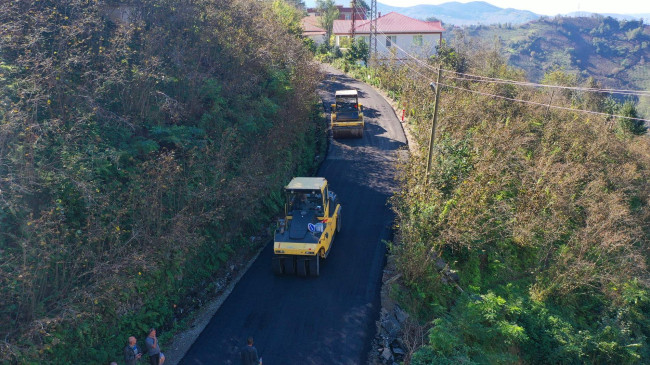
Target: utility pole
x,y
435,87
354,15
373,29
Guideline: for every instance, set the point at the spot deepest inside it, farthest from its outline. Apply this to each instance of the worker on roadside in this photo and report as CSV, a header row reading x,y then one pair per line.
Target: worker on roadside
x,y
156,357
249,354
132,353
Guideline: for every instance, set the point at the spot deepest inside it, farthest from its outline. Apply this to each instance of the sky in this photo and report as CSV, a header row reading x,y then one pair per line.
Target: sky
x,y
545,7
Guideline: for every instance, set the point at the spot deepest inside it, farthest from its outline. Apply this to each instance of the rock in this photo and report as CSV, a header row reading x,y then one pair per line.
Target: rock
x,y
392,326
398,351
387,354
400,315
399,343
385,340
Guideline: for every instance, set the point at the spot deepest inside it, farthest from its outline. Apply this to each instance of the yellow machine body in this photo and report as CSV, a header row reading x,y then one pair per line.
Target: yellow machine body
x,y
306,233
347,115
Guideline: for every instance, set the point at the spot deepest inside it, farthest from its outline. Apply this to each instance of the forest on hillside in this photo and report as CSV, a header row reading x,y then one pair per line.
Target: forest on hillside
x,y
143,146
529,241
614,53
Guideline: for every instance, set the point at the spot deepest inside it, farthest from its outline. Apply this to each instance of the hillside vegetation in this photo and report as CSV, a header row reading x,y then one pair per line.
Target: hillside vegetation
x,y
529,241
614,53
543,216
143,145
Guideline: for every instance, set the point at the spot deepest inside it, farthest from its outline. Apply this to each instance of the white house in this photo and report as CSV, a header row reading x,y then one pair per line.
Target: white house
x,y
396,34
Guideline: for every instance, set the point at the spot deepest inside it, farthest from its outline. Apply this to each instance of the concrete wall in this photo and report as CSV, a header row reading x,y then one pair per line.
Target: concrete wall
x,y
408,43
318,39
404,41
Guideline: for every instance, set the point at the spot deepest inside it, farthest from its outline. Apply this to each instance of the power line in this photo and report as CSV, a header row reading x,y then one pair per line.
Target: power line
x,y
521,83
477,78
545,105
521,100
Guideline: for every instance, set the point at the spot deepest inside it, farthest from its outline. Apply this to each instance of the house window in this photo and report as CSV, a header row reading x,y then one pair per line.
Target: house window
x,y
417,40
347,16
390,40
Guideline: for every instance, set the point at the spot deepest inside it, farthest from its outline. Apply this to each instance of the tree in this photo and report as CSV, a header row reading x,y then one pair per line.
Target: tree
x,y
359,50
362,7
594,100
298,4
288,15
328,13
631,125
450,58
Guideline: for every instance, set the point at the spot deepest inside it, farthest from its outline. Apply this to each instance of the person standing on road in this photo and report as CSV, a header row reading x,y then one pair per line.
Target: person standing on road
x,y
249,354
153,349
132,352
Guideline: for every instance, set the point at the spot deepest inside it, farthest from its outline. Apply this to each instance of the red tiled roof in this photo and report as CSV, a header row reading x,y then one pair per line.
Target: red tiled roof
x,y
310,26
342,27
389,23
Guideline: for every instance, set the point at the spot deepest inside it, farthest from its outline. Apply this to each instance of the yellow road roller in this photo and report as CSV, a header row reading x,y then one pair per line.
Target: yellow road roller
x,y
347,115
305,235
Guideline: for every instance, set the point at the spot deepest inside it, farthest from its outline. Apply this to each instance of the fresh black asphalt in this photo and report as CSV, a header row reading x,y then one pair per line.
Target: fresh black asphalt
x,y
329,319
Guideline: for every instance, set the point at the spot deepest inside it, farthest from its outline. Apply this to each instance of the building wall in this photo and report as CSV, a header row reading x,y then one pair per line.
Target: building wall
x,y
346,14
422,45
318,39
404,41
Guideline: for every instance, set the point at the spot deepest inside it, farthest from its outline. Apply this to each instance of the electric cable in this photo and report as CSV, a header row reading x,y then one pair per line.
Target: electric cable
x,y
521,100
520,83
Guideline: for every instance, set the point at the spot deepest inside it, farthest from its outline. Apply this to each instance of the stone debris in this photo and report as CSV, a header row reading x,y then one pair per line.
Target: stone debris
x,y
386,354
398,351
388,341
400,315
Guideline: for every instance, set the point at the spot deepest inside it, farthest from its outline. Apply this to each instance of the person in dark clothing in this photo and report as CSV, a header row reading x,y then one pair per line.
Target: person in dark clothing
x,y
132,353
249,354
153,350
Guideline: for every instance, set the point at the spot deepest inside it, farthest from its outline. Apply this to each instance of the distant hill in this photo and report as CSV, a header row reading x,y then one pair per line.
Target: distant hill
x,y
476,12
644,16
615,53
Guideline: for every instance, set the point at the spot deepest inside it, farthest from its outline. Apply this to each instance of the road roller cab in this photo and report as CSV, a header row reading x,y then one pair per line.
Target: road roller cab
x,y
305,235
347,115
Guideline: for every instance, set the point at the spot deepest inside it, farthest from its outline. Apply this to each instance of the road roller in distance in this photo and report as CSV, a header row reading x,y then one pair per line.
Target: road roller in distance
x,y
347,115
305,235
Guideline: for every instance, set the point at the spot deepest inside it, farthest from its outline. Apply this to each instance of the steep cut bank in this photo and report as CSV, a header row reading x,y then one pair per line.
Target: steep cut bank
x,y
528,242
142,146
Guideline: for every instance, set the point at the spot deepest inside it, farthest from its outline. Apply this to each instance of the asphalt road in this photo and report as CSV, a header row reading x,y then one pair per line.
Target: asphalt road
x,y
329,319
